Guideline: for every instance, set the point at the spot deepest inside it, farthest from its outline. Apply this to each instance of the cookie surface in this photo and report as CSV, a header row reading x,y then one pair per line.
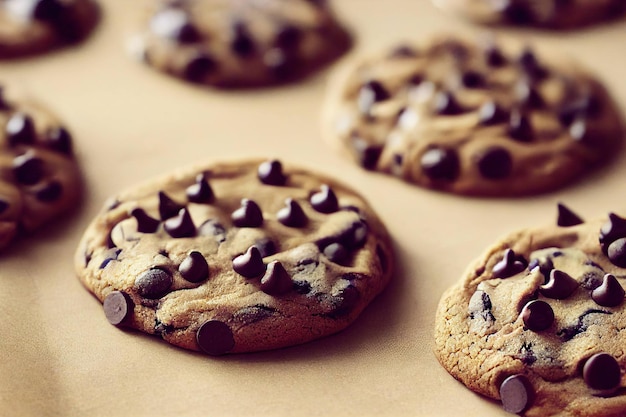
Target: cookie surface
x,y
236,257
480,118
538,321
554,14
39,177
35,26
249,43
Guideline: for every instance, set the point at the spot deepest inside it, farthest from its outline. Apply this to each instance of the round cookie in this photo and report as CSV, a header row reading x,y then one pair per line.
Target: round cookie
x,y
39,177
226,43
35,26
538,321
236,257
471,117
552,14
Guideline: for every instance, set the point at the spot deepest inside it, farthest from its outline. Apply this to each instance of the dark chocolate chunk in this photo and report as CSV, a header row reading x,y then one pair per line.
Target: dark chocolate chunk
x,y
50,192
613,229
445,104
440,164
617,252
118,306
292,214
4,205
175,24
271,173
266,247
567,217
199,67
194,268
473,79
200,192
288,37
28,169
215,338
602,372
495,163
336,252
560,286
249,214
168,207
145,223
20,130
537,315
610,293
60,140
180,225
491,113
276,280
154,283
370,93
510,264
242,43
517,394
520,128
302,287
366,153
325,201
249,264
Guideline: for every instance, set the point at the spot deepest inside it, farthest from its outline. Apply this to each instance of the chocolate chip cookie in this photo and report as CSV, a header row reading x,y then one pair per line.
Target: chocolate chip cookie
x,y
39,177
538,321
552,14
236,257
34,26
250,43
472,117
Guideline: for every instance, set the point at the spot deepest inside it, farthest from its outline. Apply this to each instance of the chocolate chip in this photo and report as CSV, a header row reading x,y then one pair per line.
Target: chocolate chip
x,y
518,13
168,207
249,214
510,264
613,229
271,173
579,130
528,96
47,9
545,267
559,286
242,43
325,201
118,306
180,225
20,130
494,56
366,153
266,247
292,214
28,169
491,113
280,63
530,65
495,163
174,24
473,79
370,93
345,301
145,223
199,67
577,108
154,283
336,253
566,217
60,140
445,104
200,192
276,280
610,293
4,205
215,338
520,128
440,164
194,268
249,264
602,372
517,394
288,37
302,287
537,315
617,252
50,192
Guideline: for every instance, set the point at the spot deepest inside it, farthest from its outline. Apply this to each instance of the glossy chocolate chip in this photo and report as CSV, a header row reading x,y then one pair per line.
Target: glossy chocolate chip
x,y
495,163
175,24
580,107
4,205
528,96
271,173
510,264
200,192
440,164
242,43
520,128
545,266
366,153
517,394
491,113
215,338
276,280
566,217
610,293
281,65
472,79
445,103
60,140
28,169
537,315
20,130
560,285
336,253
613,229
180,225
249,214
288,37
199,67
602,372
292,214
370,93
145,223
249,264
168,207
194,268
266,247
118,306
154,283
325,201
50,192
617,252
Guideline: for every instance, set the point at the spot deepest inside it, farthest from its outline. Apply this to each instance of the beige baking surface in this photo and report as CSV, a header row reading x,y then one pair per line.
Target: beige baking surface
x,y
60,357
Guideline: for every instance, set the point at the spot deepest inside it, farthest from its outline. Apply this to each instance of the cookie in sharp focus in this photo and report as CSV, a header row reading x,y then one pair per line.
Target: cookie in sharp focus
x,y
472,116
549,14
36,26
39,176
249,43
236,257
538,321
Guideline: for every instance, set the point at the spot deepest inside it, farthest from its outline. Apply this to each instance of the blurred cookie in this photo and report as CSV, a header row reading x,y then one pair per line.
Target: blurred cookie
x,y
39,178
227,43
236,257
34,26
554,14
538,321
472,117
